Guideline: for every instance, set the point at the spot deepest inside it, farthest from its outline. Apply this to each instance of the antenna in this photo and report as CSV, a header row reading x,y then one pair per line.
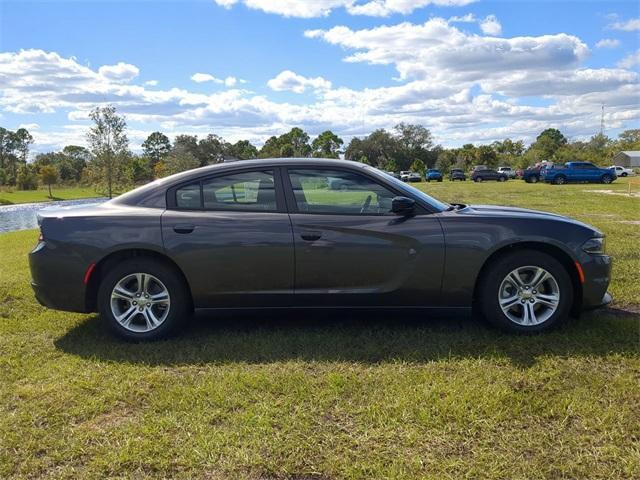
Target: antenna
x,y
602,121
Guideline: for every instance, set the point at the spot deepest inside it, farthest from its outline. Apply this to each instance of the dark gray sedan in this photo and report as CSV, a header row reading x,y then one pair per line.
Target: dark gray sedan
x,y
273,233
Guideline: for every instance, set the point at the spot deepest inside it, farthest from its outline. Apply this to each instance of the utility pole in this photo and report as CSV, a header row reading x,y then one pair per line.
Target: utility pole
x,y
602,121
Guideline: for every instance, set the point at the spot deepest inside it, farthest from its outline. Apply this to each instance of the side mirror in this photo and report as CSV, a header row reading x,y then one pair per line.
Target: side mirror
x,y
402,205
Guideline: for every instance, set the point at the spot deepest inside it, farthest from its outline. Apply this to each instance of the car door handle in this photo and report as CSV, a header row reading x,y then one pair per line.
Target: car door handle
x,y
183,228
311,236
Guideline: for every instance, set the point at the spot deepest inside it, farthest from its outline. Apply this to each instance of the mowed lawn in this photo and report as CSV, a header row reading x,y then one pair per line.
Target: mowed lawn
x,y
331,396
14,196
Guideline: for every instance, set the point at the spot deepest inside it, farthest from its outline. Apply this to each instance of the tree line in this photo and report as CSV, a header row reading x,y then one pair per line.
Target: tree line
x,y
108,164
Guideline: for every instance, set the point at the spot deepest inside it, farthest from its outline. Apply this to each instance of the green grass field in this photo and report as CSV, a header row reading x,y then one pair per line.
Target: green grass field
x,y
316,396
9,197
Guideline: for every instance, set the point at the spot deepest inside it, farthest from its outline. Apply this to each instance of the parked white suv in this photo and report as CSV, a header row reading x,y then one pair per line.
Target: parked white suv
x,y
622,171
508,171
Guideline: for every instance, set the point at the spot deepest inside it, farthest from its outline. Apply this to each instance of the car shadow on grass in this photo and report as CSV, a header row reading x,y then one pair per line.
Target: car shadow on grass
x,y
361,337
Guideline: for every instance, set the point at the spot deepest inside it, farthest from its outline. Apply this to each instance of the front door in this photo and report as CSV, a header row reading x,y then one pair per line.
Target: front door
x,y
231,236
350,249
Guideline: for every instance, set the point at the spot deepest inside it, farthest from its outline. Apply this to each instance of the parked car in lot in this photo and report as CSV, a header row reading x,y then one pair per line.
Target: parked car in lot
x,y
433,174
393,174
407,176
622,171
457,174
577,172
271,234
508,171
531,175
488,174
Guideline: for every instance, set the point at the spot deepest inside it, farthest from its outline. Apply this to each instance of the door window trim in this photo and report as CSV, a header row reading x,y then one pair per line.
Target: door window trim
x,y
292,204
281,206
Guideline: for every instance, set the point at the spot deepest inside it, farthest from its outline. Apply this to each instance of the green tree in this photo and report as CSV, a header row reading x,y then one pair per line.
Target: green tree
x,y
548,143
109,146
418,166
485,155
629,140
243,150
49,176
326,145
179,160
212,149
415,142
27,177
156,147
378,148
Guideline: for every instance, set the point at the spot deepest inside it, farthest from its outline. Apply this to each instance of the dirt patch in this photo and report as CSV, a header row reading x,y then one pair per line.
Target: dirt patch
x,y
109,420
612,192
630,222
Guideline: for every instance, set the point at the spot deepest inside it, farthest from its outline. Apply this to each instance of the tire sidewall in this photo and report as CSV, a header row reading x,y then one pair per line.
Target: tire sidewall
x,y
179,310
492,280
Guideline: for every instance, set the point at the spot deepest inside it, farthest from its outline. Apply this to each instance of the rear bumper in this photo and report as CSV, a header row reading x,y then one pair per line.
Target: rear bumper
x,y
57,280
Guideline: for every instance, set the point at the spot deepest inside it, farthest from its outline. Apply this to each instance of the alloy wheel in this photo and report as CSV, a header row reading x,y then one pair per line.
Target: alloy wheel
x,y
529,295
140,302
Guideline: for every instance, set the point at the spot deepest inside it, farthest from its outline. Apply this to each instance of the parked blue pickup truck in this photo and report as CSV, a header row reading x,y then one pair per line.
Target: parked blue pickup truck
x,y
577,172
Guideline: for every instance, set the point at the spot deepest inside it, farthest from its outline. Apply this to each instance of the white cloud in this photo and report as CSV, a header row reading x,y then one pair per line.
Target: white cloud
x,y
491,26
291,81
468,18
121,72
322,8
151,83
205,77
459,102
630,25
441,52
630,60
608,43
29,126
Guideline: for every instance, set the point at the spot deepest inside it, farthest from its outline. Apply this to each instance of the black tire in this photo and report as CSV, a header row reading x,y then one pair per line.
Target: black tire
x,y
478,179
502,179
533,179
624,174
560,180
493,277
606,179
439,179
180,308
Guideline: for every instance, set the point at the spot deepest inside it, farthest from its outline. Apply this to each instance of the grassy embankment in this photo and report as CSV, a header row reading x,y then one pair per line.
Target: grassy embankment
x,y
13,196
326,397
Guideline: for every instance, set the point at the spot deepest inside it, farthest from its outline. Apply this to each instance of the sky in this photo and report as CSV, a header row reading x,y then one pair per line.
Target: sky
x,y
470,71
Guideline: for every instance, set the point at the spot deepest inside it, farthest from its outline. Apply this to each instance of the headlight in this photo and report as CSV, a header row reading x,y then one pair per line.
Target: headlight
x,y
594,245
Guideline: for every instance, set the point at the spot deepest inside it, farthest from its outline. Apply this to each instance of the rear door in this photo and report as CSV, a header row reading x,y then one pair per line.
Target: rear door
x,y
231,236
351,250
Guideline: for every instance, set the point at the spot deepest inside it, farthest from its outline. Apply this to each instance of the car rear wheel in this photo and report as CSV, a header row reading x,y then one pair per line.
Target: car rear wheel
x,y
532,179
607,179
526,291
143,299
502,179
624,174
478,179
560,180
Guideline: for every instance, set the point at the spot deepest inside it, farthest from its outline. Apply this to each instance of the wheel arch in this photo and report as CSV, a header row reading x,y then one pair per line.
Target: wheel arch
x,y
554,251
113,258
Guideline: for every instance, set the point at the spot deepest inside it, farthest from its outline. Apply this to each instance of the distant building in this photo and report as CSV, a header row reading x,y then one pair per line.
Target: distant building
x,y
629,158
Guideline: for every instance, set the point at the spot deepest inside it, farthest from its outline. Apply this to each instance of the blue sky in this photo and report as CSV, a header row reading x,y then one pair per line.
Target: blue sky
x,y
469,71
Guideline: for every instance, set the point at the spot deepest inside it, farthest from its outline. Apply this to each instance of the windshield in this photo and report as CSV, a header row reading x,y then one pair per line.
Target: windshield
x,y
400,185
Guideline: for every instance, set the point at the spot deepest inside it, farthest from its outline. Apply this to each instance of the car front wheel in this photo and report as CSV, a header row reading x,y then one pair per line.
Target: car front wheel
x,y
143,299
526,291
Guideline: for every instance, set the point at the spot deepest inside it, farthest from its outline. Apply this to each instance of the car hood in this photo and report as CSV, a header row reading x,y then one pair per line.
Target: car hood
x,y
517,212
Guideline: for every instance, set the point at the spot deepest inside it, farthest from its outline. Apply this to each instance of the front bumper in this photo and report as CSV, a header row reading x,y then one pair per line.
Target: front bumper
x,y
597,273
